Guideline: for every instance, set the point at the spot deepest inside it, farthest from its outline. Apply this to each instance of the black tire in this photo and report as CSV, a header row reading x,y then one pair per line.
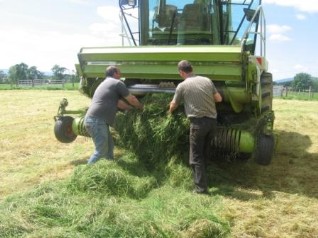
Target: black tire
x,y
265,149
63,129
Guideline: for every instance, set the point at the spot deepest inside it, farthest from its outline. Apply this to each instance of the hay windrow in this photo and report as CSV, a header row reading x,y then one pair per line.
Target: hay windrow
x,y
153,135
106,177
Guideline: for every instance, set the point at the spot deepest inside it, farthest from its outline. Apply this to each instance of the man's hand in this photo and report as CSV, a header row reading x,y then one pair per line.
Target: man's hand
x,y
173,106
217,97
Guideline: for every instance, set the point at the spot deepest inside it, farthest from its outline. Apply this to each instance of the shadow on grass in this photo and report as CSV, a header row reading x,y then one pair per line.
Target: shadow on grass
x,y
78,162
293,170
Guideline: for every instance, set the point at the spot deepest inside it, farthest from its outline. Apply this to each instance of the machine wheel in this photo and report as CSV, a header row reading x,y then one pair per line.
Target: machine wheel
x,y
264,149
63,129
267,92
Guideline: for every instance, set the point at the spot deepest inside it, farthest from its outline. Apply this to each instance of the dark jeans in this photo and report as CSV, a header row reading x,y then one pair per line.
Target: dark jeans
x,y
201,132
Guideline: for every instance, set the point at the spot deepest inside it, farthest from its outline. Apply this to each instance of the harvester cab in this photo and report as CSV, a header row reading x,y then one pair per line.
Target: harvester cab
x,y
223,39
190,22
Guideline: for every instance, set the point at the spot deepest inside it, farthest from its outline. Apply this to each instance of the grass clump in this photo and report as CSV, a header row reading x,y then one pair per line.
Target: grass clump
x,y
153,135
107,178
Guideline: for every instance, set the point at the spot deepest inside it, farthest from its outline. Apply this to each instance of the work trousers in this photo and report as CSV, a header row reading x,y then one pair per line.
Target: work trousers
x,y
201,132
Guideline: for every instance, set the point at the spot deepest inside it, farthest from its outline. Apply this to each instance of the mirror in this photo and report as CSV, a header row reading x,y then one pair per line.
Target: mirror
x,y
131,3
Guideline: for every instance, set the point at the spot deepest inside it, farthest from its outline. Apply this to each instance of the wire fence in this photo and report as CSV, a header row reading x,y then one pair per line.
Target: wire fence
x,y
286,92
40,82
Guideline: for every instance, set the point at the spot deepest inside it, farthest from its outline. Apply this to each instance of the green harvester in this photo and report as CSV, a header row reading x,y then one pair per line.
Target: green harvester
x,y
224,40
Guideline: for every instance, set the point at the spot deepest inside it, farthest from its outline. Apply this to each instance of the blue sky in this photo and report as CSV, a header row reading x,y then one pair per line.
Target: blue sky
x,y
43,33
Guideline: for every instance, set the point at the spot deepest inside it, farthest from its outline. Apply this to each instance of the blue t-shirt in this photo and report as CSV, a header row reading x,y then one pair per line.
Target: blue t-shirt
x,y
105,99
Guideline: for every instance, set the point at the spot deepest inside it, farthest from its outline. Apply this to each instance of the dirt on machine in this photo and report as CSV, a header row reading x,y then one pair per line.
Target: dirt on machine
x,y
224,40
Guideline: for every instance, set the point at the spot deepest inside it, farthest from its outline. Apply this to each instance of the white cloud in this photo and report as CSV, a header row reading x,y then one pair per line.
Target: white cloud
x,y
111,26
44,48
301,68
274,28
300,17
109,32
109,13
310,6
279,37
278,32
80,1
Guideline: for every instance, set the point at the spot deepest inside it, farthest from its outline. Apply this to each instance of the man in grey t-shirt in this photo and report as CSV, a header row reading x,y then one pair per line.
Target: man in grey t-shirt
x,y
199,96
111,95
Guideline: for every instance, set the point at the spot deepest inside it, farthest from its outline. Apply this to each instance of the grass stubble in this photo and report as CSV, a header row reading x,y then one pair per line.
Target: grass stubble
x,y
47,190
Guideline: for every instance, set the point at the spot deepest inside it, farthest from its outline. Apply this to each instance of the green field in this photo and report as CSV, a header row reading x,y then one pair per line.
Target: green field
x,y
66,86
301,96
47,190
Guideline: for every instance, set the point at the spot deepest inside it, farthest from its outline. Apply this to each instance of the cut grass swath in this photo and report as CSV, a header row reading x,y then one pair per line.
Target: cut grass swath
x,y
153,135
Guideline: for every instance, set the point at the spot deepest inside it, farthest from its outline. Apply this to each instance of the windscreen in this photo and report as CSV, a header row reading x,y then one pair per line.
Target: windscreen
x,y
197,22
174,22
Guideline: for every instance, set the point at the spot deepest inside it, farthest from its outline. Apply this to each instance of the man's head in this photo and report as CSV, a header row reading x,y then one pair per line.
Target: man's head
x,y
113,71
185,68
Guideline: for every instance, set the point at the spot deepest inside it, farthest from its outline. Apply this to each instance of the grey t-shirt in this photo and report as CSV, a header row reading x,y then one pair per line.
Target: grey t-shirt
x,y
106,96
197,93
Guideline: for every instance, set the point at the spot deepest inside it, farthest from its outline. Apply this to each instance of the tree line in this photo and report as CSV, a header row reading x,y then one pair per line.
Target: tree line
x,y
23,72
302,82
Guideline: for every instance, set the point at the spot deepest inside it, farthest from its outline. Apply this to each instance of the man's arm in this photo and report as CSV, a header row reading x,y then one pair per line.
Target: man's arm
x,y
217,97
173,106
133,101
122,105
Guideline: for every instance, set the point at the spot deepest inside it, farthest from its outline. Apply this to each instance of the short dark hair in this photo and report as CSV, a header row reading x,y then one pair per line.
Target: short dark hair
x,y
185,66
111,70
